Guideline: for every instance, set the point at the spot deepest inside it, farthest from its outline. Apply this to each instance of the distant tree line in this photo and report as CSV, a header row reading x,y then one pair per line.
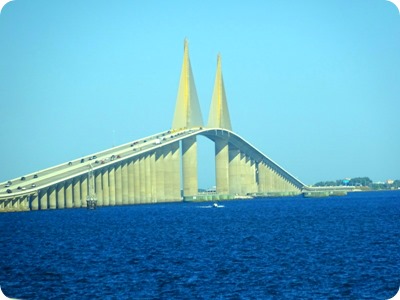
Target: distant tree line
x,y
385,186
365,182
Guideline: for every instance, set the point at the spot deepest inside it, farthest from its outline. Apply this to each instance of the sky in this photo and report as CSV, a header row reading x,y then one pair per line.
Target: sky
x,y
314,85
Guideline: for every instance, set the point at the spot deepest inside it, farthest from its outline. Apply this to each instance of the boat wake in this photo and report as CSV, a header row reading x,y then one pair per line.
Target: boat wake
x,y
215,205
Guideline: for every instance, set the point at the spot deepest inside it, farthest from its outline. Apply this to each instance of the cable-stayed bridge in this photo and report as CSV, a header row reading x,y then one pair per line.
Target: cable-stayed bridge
x,y
158,168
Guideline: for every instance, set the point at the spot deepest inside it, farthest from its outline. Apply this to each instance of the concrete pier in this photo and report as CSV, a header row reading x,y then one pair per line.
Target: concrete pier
x,y
169,174
118,184
98,187
111,185
234,171
131,182
24,203
106,186
142,182
84,190
68,194
51,194
160,174
77,192
34,200
43,199
153,179
147,176
175,193
189,167
125,183
61,195
136,184
222,166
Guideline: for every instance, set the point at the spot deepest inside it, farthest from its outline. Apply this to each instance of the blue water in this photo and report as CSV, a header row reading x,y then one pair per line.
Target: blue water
x,y
278,248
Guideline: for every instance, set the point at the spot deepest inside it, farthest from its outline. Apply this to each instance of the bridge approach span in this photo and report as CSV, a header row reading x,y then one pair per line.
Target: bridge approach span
x,y
148,170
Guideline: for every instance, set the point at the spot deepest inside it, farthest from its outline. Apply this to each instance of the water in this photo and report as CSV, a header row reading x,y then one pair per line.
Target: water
x,y
287,248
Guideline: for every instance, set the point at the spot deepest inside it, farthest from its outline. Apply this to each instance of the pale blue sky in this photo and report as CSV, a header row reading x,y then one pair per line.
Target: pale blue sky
x,y
313,84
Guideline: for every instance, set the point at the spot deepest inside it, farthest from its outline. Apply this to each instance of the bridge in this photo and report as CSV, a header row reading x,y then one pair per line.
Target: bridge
x,y
158,168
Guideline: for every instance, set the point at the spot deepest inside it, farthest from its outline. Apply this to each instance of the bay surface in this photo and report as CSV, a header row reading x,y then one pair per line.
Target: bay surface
x,y
271,248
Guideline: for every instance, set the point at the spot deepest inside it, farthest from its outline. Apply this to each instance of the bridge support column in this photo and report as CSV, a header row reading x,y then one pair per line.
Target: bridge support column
x,y
98,187
43,199
131,182
23,203
172,171
282,183
275,181
189,166
136,176
125,182
147,172
176,172
84,190
68,194
19,203
106,186
222,166
15,204
261,178
142,176
34,202
11,203
153,178
51,193
7,204
253,177
244,174
234,171
118,184
268,179
77,192
60,196
159,172
111,182
169,174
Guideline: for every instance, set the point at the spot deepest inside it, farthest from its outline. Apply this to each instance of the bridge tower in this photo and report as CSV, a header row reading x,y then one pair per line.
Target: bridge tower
x,y
219,118
188,115
219,113
187,108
